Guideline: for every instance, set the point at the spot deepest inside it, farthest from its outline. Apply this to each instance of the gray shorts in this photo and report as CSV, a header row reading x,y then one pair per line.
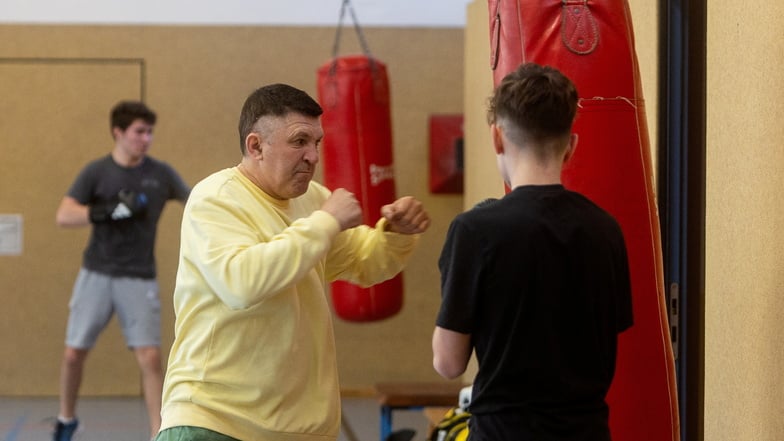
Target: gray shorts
x,y
97,296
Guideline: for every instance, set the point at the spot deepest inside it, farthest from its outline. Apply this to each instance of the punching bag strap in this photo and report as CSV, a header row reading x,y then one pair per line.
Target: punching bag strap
x,y
495,35
579,31
380,87
361,36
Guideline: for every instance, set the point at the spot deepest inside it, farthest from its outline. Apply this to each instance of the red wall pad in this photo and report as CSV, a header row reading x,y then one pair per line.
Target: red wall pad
x,y
446,153
357,156
592,42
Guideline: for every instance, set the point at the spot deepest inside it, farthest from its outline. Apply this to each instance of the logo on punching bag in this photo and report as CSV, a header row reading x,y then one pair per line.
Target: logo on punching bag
x,y
380,173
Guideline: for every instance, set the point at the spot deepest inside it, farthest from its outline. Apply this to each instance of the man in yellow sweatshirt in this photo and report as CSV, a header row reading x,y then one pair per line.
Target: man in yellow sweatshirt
x,y
254,355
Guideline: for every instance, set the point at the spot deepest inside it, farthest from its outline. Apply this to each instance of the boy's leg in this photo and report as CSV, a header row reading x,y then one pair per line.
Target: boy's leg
x,y
70,380
90,310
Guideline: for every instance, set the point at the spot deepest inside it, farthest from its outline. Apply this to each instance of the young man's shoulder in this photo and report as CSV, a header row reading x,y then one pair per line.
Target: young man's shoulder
x,y
482,217
101,161
157,163
590,204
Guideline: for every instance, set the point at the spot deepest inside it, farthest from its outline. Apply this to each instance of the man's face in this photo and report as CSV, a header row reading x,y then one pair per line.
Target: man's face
x,y
134,141
289,153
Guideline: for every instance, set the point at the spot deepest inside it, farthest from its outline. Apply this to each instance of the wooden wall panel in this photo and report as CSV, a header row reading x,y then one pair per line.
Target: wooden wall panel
x,y
54,118
744,248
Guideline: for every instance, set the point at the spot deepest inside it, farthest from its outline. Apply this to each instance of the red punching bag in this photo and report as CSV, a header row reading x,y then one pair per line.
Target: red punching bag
x,y
357,155
592,43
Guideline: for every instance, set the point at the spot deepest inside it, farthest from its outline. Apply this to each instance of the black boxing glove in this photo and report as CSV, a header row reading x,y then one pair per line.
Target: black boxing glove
x,y
129,205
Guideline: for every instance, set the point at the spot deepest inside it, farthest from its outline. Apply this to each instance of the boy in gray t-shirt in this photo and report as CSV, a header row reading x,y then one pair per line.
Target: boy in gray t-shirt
x,y
121,196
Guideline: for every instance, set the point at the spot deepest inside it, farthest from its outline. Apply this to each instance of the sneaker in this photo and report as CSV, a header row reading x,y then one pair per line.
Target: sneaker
x,y
64,431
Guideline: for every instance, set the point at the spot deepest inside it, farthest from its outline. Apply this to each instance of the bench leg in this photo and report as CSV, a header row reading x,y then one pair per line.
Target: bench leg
x,y
386,422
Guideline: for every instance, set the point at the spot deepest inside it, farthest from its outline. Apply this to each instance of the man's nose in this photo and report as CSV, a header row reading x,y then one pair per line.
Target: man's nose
x,y
312,154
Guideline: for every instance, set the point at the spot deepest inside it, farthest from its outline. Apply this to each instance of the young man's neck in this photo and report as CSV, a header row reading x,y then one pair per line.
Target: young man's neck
x,y
546,178
125,160
527,167
528,170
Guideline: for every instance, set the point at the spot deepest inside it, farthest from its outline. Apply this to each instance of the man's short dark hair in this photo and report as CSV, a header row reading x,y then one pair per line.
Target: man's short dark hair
x,y
124,113
537,100
276,100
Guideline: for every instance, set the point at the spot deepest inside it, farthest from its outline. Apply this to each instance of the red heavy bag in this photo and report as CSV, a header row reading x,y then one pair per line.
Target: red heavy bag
x,y
357,155
592,42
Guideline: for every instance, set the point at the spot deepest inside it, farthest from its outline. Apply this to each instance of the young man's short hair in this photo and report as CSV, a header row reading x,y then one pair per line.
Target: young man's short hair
x,y
537,100
124,113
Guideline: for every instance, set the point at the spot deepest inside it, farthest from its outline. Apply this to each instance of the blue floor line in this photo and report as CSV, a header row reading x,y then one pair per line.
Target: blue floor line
x,y
16,428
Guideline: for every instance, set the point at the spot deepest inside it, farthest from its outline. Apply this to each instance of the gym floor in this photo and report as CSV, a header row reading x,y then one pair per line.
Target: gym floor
x,y
125,419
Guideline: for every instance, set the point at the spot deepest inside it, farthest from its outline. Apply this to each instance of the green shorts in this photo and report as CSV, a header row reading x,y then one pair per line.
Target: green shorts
x,y
190,433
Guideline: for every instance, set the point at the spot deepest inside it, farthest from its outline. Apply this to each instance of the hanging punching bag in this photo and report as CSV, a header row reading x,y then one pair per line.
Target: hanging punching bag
x,y
592,43
357,155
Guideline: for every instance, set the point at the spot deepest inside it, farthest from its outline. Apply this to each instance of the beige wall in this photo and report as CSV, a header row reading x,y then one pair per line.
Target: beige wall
x,y
744,280
481,175
57,84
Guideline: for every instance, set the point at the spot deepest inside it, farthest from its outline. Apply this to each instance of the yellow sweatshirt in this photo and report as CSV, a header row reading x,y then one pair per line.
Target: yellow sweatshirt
x,y
254,352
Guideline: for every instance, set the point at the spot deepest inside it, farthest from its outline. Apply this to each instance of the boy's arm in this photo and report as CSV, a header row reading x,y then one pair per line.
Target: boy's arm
x,y
71,213
451,352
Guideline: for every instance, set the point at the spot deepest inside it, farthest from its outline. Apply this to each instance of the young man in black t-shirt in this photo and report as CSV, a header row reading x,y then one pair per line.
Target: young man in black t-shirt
x,y
537,282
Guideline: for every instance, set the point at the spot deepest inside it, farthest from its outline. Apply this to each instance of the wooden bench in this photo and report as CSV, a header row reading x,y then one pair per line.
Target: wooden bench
x,y
413,395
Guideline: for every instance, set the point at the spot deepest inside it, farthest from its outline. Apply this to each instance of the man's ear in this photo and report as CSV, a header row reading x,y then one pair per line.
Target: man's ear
x,y
253,145
573,138
498,138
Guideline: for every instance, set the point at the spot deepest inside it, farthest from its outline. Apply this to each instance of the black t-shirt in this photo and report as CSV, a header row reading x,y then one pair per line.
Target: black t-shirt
x,y
540,280
126,247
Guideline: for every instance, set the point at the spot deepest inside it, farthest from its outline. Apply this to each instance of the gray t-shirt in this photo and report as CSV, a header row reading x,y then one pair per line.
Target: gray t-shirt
x,y
126,247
